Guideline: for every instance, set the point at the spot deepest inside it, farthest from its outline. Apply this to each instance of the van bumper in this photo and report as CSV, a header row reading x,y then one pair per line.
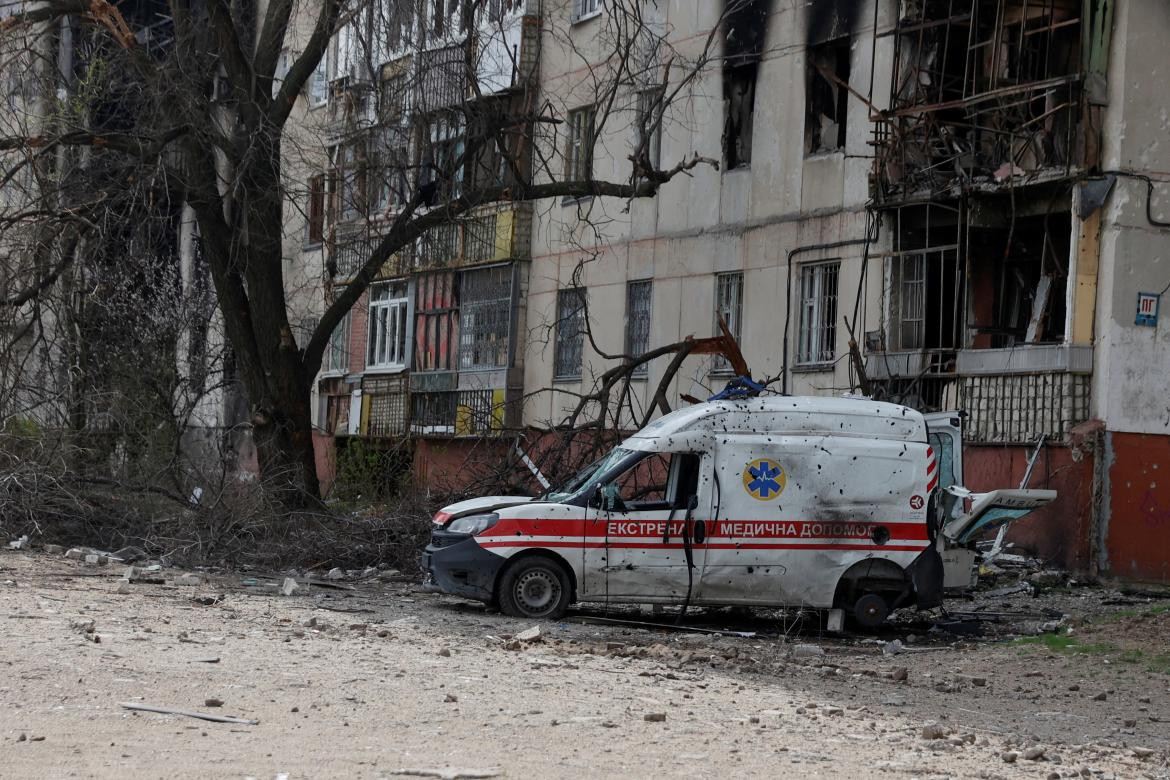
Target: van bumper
x,y
926,575
456,564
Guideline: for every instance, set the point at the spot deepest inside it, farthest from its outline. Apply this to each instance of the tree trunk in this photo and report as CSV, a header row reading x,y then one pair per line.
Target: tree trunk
x,y
282,431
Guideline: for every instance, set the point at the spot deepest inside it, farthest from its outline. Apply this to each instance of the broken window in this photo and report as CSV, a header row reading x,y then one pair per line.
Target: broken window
x,y
485,312
638,307
1018,275
386,326
826,97
315,212
923,297
728,309
739,99
579,144
817,332
436,322
570,333
984,90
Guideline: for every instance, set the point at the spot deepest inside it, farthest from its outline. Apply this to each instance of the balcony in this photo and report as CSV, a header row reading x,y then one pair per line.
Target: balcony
x,y
477,412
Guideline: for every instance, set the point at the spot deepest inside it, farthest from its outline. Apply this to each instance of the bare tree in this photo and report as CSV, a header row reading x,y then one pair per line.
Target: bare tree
x,y
200,108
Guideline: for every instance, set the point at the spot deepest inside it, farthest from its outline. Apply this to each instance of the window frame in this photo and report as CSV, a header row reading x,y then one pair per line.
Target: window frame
x,y
562,372
735,321
818,346
473,304
584,10
632,333
582,136
337,351
315,211
396,305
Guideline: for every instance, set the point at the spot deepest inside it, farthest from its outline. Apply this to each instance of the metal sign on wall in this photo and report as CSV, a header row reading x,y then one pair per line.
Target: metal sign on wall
x,y
1147,309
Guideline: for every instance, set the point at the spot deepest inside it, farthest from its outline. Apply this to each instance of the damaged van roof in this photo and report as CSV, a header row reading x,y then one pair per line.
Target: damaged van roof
x,y
810,415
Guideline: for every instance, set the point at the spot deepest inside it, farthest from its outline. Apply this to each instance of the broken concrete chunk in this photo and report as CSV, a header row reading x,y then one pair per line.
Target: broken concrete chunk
x,y
893,648
529,635
1034,753
75,553
807,651
18,544
288,587
188,579
54,549
123,586
335,574
1009,756
933,730
129,554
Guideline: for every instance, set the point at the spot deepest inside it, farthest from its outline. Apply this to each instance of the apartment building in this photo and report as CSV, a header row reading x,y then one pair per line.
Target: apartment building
x,y
969,186
968,192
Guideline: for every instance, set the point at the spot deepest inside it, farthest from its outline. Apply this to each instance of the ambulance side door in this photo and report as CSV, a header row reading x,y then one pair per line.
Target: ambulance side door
x,y
645,511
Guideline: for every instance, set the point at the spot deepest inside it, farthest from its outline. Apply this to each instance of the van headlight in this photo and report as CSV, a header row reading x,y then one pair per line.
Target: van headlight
x,y
473,524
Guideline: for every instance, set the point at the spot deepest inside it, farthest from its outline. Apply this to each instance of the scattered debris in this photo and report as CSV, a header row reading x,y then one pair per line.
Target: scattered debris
x,y
53,549
934,730
336,574
529,635
213,703
188,714
288,587
18,544
807,651
449,773
188,580
654,717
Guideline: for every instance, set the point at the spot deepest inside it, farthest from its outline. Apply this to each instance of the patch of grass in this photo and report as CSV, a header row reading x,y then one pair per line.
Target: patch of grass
x,y
1062,643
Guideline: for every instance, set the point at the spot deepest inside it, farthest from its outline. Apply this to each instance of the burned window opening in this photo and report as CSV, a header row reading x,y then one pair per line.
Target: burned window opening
x,y
983,92
923,291
739,97
827,99
1017,278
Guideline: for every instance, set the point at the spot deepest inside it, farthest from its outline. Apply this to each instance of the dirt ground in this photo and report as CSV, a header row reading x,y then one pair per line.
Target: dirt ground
x,y
380,679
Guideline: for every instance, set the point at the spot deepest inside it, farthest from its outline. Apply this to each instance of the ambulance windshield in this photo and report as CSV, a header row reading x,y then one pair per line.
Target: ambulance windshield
x,y
589,475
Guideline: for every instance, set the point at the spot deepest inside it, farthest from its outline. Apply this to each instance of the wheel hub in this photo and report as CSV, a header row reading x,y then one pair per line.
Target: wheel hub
x,y
537,590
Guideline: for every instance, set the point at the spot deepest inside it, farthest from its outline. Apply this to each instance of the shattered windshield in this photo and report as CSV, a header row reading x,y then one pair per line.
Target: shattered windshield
x,y
588,476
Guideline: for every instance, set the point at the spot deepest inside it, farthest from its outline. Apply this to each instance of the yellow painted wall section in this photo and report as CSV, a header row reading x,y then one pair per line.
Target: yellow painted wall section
x,y
1085,294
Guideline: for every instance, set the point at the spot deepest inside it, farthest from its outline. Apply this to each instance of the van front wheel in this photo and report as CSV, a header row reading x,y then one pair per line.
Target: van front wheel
x,y
535,588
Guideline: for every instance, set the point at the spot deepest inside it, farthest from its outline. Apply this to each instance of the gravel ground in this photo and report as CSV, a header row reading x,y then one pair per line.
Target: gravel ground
x,y
383,680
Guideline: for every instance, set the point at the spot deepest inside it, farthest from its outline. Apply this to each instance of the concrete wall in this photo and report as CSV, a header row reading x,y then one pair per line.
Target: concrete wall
x,y
1132,363
712,221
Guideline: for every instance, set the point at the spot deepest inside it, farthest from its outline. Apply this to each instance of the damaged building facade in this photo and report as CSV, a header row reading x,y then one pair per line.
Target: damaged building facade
x,y
970,192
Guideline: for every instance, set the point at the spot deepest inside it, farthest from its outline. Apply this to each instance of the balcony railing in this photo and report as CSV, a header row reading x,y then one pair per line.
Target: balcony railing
x,y
457,413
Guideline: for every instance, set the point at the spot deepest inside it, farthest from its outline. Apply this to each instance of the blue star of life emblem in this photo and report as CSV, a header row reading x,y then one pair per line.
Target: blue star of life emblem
x,y
764,478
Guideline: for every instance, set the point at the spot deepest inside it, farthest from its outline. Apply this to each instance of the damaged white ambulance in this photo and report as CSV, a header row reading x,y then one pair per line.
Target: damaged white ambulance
x,y
828,503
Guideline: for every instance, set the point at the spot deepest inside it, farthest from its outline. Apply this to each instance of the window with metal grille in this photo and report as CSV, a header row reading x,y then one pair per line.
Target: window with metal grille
x,y
436,325
485,297
337,355
570,333
387,326
583,9
817,332
910,273
728,308
579,145
638,303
